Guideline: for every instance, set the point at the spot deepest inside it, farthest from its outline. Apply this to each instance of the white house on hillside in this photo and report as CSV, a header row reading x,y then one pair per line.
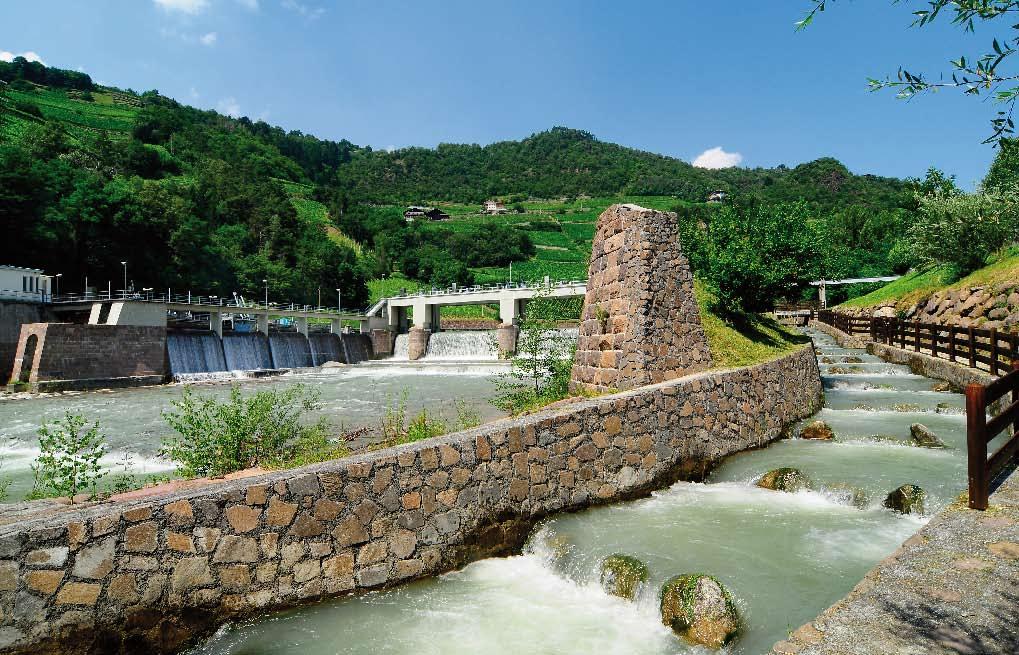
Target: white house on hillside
x,y
28,284
493,207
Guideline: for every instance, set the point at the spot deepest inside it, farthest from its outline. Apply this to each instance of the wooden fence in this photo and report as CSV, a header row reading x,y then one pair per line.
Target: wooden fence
x,y
986,349
980,432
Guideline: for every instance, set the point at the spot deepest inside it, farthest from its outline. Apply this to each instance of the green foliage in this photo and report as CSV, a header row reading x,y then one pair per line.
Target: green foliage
x,y
264,429
396,429
541,368
1003,174
753,254
962,231
68,461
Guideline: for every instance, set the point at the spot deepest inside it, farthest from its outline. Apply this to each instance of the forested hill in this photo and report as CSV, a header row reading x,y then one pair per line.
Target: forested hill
x,y
93,175
568,162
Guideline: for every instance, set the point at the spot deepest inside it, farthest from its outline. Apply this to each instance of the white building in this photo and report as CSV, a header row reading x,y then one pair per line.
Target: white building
x,y
493,207
28,284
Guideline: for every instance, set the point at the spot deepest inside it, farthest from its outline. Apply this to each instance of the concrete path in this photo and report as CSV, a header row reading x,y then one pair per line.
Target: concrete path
x,y
951,588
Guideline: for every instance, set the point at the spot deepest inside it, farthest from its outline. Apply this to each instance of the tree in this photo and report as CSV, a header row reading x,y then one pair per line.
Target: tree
x,y
68,461
983,74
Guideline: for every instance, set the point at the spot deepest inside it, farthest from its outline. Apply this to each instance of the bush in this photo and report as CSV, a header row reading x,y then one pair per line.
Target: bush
x,y
68,461
962,231
28,108
264,429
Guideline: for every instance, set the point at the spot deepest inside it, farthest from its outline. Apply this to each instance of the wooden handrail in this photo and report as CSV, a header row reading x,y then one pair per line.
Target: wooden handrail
x,y
980,432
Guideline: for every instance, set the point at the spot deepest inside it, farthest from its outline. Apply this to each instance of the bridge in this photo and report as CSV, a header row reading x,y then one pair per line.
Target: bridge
x,y
822,284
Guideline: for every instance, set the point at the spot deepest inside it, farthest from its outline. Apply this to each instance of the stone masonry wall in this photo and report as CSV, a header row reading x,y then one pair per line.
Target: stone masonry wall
x,y
151,575
71,352
12,316
640,323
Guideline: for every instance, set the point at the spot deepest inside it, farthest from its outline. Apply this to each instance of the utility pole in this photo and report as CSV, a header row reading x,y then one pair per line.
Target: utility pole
x,y
124,264
338,305
266,283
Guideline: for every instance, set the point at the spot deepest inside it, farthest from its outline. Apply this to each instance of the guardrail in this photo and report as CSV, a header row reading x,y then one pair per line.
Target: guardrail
x,y
488,288
986,349
980,432
197,301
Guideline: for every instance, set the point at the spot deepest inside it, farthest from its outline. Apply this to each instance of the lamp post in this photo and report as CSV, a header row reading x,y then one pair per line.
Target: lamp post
x,y
320,296
56,281
124,264
266,283
338,305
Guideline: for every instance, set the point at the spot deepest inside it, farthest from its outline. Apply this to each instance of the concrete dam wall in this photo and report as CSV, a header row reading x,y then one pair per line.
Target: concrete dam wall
x,y
58,356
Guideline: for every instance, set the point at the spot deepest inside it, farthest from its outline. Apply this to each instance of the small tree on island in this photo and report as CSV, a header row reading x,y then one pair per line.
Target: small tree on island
x,y
68,461
540,370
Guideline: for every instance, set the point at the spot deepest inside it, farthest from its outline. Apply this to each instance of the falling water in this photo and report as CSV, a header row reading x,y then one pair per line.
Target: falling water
x,y
326,347
290,350
357,347
195,352
471,345
247,352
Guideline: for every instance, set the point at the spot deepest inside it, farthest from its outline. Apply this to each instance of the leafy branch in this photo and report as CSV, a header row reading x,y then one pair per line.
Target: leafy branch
x,y
980,75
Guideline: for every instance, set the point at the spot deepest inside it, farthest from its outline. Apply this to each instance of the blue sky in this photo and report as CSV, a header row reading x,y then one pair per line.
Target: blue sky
x,y
677,77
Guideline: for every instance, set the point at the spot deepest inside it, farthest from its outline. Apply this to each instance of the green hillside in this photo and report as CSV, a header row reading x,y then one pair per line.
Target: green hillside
x,y
91,176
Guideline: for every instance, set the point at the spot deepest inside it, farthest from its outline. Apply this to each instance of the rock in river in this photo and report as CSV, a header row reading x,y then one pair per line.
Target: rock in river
x,y
817,430
907,499
784,479
699,608
622,575
922,436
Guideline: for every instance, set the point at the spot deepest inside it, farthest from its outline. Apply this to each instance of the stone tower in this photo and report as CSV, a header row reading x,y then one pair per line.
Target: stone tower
x,y
640,324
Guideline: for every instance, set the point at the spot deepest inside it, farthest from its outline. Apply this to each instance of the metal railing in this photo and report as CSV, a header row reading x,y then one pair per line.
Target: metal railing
x,y
206,301
980,432
488,288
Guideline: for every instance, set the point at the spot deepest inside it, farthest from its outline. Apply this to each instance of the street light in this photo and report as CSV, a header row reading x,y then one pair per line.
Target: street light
x,y
266,283
56,280
338,305
124,264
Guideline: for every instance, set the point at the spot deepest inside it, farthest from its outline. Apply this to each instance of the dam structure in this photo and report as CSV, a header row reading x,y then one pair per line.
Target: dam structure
x,y
130,339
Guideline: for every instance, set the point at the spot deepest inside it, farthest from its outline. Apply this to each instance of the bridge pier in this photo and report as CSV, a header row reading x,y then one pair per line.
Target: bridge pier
x,y
301,322
417,342
216,323
262,323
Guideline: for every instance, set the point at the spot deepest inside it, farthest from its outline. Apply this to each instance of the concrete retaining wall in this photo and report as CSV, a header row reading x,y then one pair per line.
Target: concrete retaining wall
x,y
67,355
151,575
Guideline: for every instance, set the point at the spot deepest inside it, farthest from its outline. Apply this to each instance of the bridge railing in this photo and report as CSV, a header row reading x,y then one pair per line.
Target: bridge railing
x,y
488,288
987,349
980,432
198,301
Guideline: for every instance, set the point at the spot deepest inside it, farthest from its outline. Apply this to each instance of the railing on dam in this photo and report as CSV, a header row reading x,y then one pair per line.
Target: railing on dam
x,y
455,290
208,301
980,432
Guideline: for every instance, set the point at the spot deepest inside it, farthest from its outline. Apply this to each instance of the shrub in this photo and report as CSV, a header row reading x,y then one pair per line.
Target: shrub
x,y
68,461
263,429
963,230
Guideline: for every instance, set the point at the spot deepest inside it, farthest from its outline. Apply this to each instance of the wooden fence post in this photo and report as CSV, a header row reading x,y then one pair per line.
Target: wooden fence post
x,y
916,335
976,445
935,335
994,351
951,343
972,347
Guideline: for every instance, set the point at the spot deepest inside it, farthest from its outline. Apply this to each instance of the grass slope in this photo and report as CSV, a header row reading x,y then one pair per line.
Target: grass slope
x,y
917,285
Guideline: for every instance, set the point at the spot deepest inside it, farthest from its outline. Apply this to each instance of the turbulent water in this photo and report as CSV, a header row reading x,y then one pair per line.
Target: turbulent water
x,y
784,556
351,396
465,345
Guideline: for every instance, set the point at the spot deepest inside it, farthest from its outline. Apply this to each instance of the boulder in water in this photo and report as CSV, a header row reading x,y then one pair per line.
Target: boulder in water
x,y
700,609
827,360
817,430
907,499
941,386
784,479
922,436
848,494
622,575
852,359
331,364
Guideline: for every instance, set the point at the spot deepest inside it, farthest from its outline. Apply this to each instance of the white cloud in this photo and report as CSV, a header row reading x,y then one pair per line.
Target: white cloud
x,y
193,92
303,10
717,158
183,6
208,39
28,54
229,106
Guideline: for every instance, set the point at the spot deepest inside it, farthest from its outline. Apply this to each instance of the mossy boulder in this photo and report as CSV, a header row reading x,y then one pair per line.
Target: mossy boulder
x,y
700,609
622,575
848,494
817,430
907,499
827,360
924,437
853,359
941,387
784,479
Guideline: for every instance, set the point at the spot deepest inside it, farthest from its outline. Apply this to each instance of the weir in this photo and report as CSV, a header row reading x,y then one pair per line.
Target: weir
x,y
247,351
